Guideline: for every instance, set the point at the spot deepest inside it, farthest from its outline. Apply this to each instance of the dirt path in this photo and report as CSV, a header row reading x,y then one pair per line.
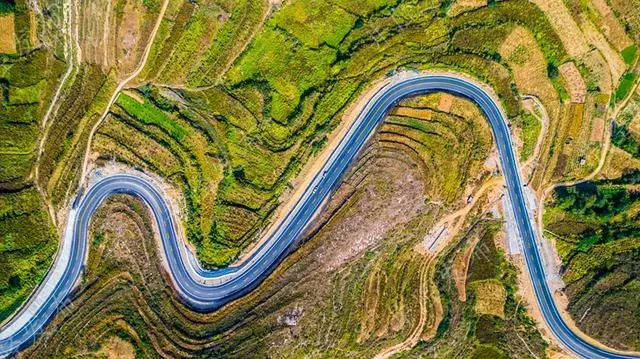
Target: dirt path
x,y
542,195
456,218
70,39
119,88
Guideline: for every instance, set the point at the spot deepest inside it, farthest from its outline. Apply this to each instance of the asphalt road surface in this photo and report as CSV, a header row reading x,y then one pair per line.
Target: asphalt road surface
x,y
205,290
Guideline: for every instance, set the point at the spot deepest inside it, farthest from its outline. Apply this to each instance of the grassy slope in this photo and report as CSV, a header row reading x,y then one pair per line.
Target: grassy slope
x,y
337,305
273,108
27,238
268,107
597,232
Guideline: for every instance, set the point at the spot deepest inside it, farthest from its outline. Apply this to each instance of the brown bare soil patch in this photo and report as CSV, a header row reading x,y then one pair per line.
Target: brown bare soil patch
x,y
597,130
377,209
114,37
446,101
116,348
7,34
129,36
575,83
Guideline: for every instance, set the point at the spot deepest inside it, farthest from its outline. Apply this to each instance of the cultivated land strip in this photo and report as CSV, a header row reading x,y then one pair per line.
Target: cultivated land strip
x,y
121,86
208,290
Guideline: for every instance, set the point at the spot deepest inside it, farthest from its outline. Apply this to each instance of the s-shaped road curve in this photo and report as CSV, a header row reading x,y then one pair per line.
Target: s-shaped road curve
x,y
206,290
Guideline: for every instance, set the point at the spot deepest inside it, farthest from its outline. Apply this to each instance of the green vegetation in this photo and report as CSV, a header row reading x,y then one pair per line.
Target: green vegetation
x,y
597,231
462,328
530,127
288,68
626,84
240,96
365,7
588,214
27,238
266,110
27,246
587,199
85,98
233,109
629,54
327,286
521,13
149,114
623,138
497,334
7,6
470,140
25,82
315,22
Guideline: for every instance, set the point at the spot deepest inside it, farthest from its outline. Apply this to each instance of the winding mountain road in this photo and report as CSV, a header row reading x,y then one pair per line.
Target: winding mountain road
x,y
206,290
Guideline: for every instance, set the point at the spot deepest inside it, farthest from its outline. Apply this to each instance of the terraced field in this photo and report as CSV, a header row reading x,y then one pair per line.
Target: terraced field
x,y
238,139
343,290
28,78
235,98
595,226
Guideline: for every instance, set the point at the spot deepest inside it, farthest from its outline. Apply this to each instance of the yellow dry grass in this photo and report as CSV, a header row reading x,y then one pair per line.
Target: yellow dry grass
x,y
611,27
117,348
575,83
430,100
465,108
617,67
490,297
33,28
634,125
461,6
617,163
565,26
7,35
523,54
420,113
576,122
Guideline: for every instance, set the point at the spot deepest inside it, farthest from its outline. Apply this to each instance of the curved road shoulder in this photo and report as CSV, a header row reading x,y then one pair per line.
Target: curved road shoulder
x,y
205,290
